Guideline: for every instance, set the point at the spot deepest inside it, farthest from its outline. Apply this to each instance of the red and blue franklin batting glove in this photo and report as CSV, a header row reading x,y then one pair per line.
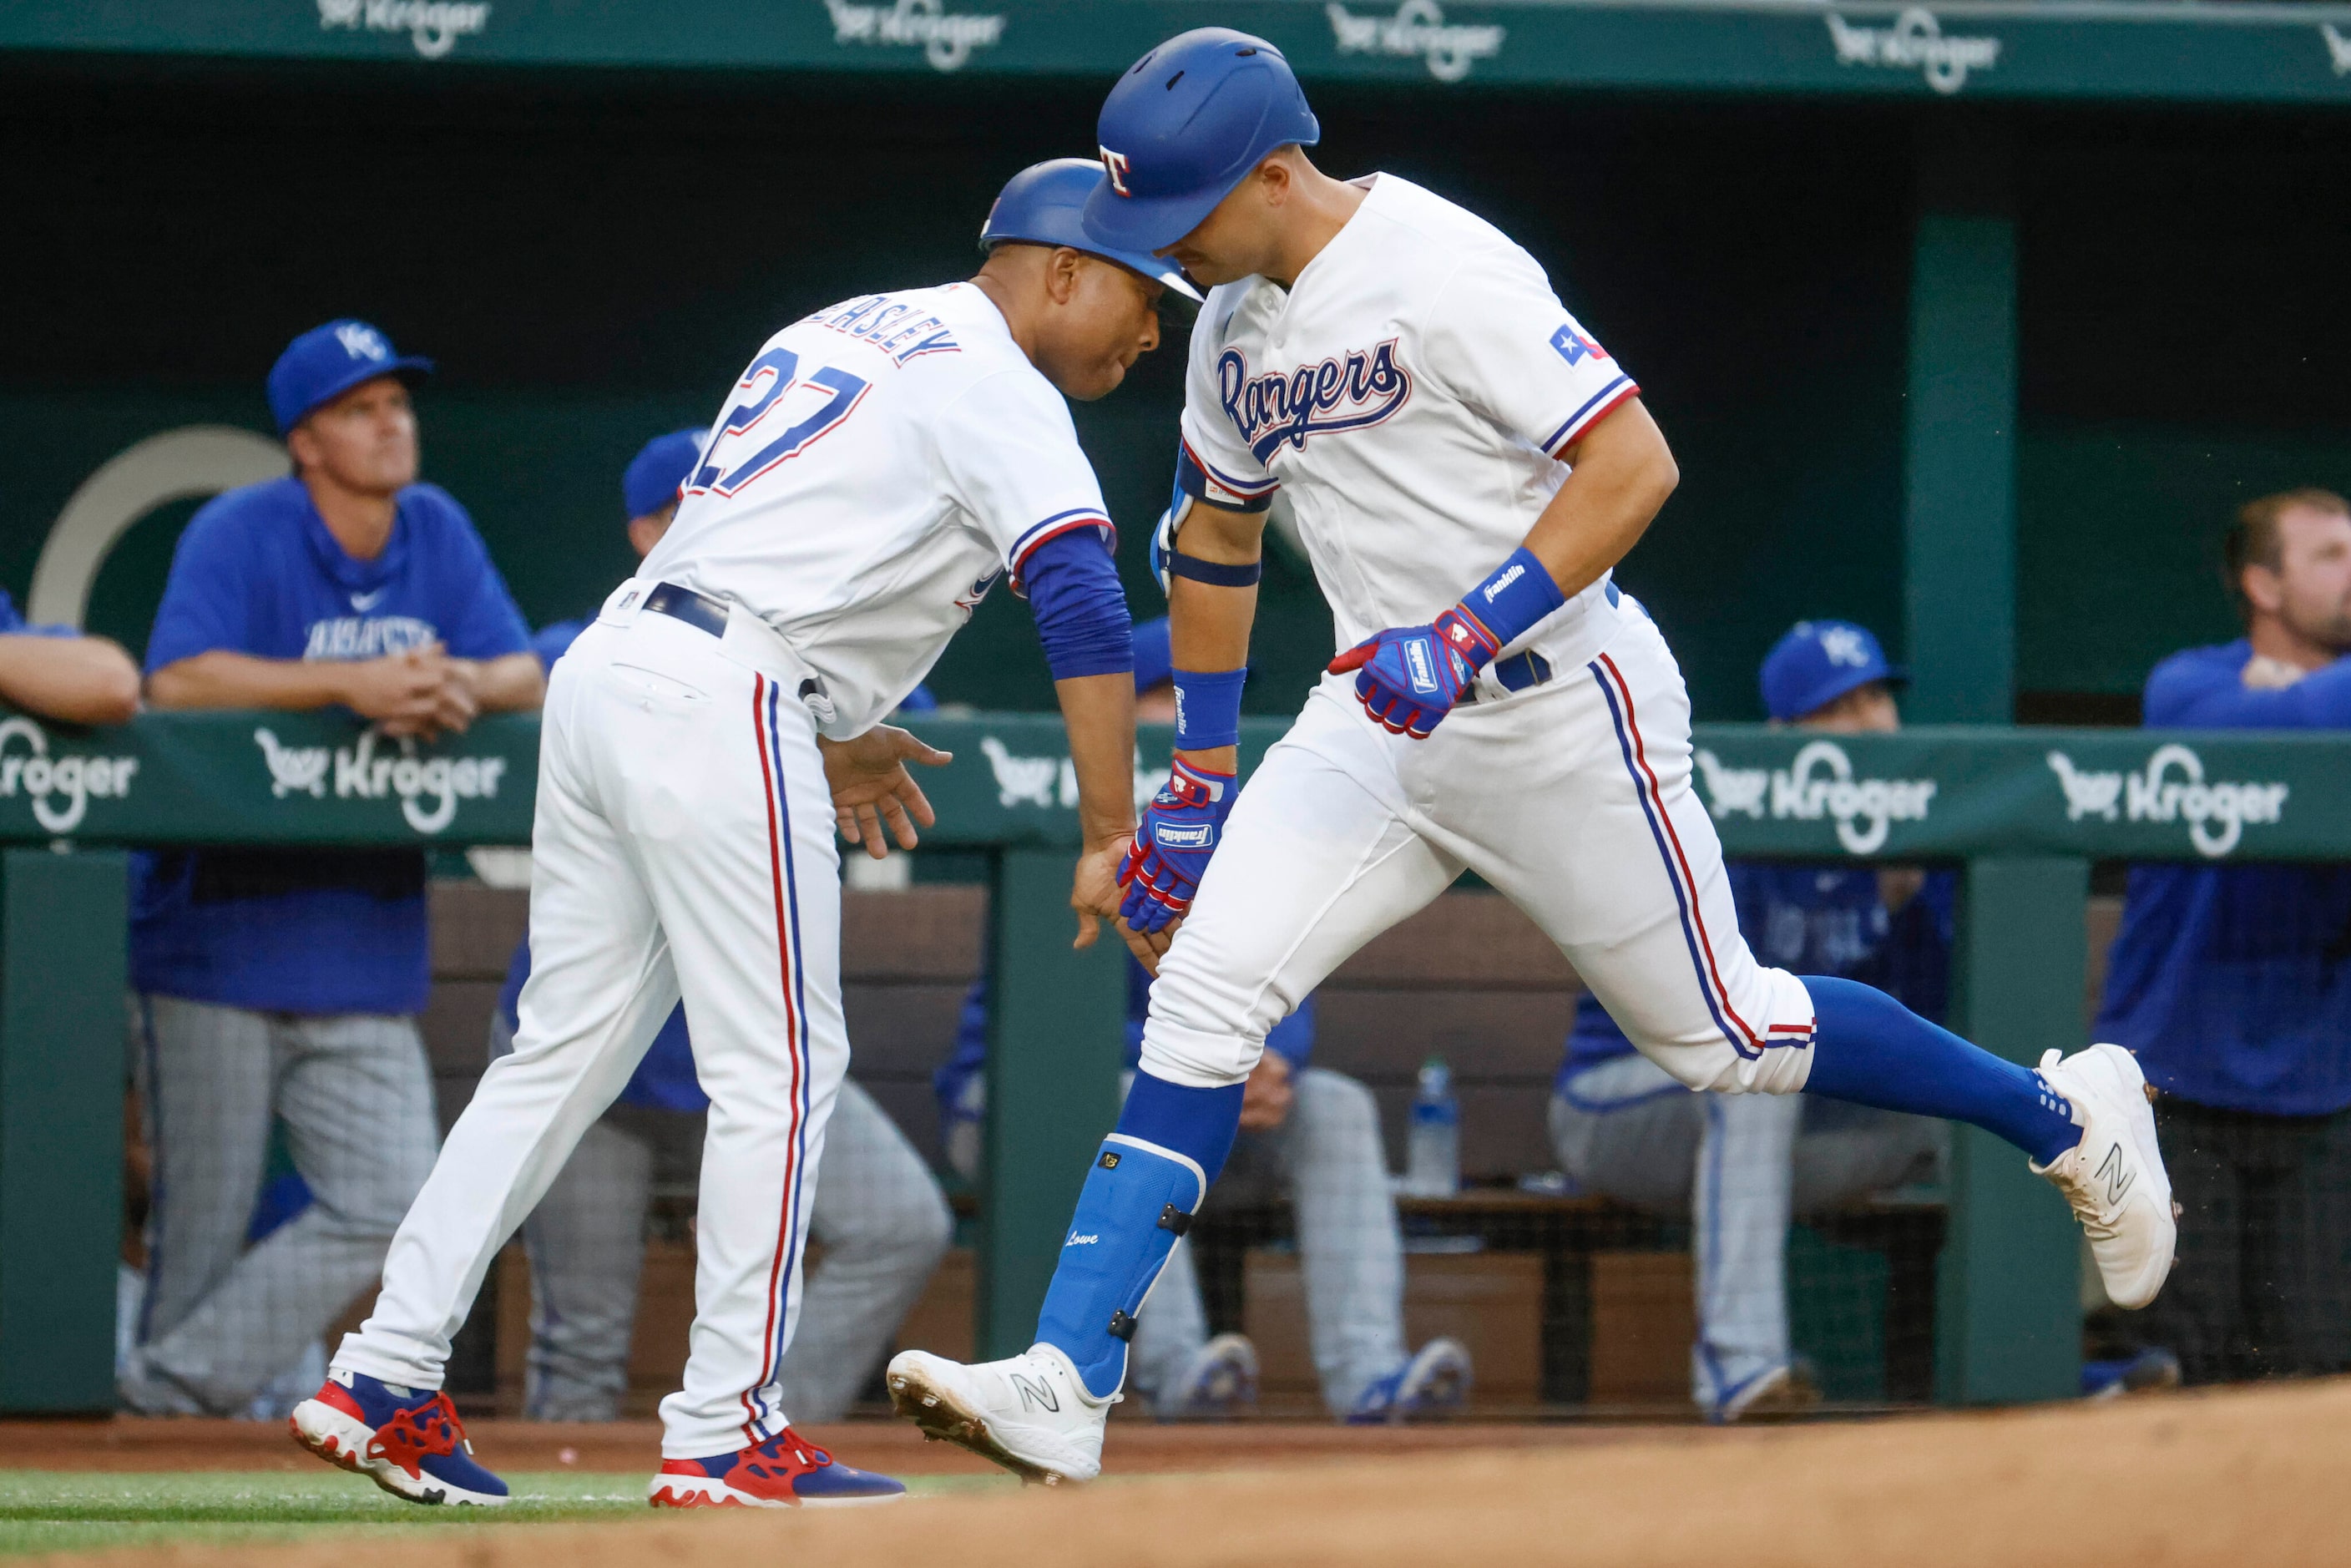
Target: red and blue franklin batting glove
x,y
1408,678
1172,845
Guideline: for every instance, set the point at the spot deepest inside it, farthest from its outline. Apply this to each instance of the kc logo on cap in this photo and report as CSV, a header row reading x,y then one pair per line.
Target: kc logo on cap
x,y
361,341
329,361
1115,164
1844,645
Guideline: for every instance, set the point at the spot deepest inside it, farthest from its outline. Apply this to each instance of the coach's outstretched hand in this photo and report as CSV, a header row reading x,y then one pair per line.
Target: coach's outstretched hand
x,y
869,784
1409,677
1094,894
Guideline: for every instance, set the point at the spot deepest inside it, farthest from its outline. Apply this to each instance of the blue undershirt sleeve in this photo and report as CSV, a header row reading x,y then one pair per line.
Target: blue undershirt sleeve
x,y
1080,610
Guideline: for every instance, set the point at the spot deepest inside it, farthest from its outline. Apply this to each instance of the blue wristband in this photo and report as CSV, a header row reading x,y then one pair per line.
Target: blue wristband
x,y
1208,708
1519,593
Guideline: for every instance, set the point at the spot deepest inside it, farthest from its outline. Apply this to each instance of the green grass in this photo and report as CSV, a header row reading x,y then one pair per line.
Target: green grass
x,y
79,1511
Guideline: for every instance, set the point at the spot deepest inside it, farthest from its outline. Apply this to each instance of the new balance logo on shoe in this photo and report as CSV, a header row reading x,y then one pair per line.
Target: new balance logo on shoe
x,y
1036,1393
2111,1172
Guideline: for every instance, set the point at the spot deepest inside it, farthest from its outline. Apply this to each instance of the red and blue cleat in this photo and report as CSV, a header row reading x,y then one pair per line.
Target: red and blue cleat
x,y
785,1472
408,1441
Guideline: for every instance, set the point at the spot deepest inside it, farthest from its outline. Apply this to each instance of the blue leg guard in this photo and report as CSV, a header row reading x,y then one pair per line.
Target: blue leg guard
x,y
1870,1050
1146,1185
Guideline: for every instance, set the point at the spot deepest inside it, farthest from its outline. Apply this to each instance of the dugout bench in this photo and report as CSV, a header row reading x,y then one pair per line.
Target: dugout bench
x,y
2025,811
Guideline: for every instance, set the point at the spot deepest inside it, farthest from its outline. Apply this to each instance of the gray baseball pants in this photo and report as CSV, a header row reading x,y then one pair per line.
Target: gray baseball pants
x,y
1740,1166
220,1319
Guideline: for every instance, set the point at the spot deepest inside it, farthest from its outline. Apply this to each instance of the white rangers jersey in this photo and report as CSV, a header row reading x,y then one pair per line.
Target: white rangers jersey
x,y
1407,395
878,466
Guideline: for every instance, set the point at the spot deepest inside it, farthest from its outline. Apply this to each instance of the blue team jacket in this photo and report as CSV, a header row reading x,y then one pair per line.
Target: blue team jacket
x,y
2230,982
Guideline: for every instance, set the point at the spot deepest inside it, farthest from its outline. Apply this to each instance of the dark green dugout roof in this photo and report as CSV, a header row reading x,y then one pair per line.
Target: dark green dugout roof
x,y
2288,54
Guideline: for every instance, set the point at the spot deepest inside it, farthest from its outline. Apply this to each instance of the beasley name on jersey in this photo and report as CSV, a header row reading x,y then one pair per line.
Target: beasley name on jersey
x,y
1409,395
877,466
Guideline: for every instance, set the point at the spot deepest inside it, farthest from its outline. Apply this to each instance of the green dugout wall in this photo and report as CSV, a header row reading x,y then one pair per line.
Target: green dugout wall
x,y
2025,811
1984,368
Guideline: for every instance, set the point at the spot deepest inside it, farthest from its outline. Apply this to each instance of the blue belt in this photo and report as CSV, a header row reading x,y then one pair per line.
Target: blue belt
x,y
1521,671
698,611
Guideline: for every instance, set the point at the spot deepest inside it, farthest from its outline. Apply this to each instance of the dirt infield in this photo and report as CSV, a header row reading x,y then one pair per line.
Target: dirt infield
x,y
2223,1479
634,1448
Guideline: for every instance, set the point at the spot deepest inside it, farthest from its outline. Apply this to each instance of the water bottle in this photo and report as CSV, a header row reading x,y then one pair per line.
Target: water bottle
x,y
1432,1166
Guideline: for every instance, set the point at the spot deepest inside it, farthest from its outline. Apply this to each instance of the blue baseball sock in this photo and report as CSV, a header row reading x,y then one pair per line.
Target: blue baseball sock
x,y
1146,1185
1870,1050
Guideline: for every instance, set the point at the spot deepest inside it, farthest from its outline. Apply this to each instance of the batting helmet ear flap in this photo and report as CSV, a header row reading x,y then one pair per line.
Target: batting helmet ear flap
x,y
1163,537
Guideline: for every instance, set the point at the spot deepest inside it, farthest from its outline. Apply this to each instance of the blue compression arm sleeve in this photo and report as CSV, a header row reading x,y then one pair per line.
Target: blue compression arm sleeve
x,y
2200,696
1080,610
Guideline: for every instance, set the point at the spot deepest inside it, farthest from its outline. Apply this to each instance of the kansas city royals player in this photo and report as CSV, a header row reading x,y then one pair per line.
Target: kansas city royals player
x,y
1407,375
879,466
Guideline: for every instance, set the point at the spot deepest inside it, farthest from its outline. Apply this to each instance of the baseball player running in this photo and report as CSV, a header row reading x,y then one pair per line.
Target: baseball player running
x,y
878,467
1407,375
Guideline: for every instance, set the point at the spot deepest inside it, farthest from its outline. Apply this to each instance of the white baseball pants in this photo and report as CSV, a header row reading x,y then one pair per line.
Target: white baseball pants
x,y
1572,798
684,844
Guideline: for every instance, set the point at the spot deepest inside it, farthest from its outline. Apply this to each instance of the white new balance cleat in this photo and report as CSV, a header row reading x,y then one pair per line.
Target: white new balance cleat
x,y
1030,1414
2114,1177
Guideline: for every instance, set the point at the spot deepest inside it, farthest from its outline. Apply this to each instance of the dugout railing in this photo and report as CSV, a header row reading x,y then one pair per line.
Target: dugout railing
x,y
2023,813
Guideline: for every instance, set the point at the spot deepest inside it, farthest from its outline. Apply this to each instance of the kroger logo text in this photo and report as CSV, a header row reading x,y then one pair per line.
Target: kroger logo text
x,y
2171,788
1819,783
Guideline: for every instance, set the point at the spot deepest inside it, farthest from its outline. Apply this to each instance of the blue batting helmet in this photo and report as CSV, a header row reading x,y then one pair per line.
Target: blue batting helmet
x,y
1183,126
1043,204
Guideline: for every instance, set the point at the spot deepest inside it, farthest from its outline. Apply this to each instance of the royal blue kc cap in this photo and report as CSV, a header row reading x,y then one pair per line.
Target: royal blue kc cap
x,y
1183,126
1045,203
1817,662
325,363
655,472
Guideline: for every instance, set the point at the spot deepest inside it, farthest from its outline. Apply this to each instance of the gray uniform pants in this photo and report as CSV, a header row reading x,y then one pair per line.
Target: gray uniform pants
x,y
1327,1153
1740,1166
878,1214
220,1319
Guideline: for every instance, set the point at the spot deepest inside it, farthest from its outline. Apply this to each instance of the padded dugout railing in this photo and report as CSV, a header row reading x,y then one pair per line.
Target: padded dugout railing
x,y
2025,813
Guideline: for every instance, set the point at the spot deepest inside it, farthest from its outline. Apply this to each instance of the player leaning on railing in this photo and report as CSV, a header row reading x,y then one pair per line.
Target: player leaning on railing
x,y
1409,375
878,467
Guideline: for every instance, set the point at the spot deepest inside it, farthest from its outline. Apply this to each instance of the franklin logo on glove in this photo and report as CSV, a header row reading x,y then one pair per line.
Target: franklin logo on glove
x,y
1424,673
1404,684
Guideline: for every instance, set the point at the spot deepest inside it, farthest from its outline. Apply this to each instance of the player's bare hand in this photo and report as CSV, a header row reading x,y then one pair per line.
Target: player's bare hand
x,y
1094,890
460,695
1267,1093
874,798
1148,946
400,691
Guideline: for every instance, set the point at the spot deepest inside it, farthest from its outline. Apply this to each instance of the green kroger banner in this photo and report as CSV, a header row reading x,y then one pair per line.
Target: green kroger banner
x,y
263,779
1929,792
2100,49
